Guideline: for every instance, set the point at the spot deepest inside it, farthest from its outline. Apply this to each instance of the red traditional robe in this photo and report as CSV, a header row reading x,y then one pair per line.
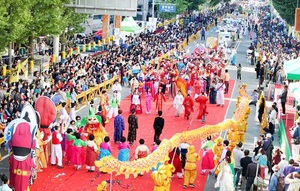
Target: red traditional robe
x,y
202,105
188,104
159,98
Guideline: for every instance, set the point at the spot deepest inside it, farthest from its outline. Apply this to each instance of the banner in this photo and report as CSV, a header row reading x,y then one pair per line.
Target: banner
x,y
297,20
22,67
14,75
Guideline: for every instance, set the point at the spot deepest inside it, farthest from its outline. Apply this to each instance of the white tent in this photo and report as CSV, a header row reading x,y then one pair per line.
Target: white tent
x,y
130,26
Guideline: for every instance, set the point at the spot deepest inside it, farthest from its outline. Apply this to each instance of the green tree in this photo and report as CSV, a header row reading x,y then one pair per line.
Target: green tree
x,y
72,24
286,9
181,7
194,4
13,18
46,19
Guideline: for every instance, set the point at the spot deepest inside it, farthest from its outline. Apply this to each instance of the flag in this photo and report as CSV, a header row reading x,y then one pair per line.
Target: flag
x,y
14,75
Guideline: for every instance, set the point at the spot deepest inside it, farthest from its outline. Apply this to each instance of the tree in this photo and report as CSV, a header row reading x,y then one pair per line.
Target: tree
x,y
286,9
13,18
46,19
181,7
194,4
72,24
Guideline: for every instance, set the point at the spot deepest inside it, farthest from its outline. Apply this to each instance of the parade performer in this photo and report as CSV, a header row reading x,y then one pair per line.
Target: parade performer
x,y
136,102
114,104
178,101
64,116
56,149
208,156
141,151
132,127
46,108
233,136
104,102
124,150
190,169
202,99
91,153
217,150
173,76
220,92
197,87
100,113
119,127
149,98
162,177
174,156
188,104
69,144
40,154
117,88
78,153
159,98
105,148
19,135
92,125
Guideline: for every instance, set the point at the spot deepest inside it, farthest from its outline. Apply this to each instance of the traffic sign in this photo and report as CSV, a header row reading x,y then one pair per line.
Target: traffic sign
x,y
167,8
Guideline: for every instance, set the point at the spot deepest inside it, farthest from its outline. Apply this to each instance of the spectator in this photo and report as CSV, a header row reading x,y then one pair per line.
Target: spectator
x,y
245,161
251,173
237,155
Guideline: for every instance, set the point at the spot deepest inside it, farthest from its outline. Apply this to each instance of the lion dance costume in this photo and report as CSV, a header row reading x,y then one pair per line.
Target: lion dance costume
x,y
217,150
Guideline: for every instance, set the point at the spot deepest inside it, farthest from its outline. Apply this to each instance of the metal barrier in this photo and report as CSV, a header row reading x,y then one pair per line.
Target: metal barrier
x,y
85,97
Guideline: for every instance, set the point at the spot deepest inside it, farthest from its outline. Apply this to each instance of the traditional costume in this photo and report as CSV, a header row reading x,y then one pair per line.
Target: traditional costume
x,y
178,101
149,98
56,149
119,127
114,103
188,104
220,93
132,127
78,153
174,156
159,98
91,155
136,103
208,156
105,150
202,99
190,169
124,151
117,88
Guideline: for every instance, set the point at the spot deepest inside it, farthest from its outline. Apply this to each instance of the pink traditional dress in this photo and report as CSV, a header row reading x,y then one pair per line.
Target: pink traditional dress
x,y
148,102
78,155
208,156
69,146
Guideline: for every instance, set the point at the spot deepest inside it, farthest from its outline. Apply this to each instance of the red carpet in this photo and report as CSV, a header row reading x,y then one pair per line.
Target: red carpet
x,y
83,181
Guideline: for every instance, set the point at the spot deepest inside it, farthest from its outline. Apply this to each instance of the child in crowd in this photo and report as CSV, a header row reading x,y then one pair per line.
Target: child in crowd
x,y
105,148
124,150
78,152
91,154
156,145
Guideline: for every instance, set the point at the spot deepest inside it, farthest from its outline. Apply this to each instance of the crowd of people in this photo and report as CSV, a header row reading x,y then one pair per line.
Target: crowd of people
x,y
199,78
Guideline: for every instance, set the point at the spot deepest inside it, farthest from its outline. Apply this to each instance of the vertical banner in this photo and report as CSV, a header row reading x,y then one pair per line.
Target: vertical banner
x,y
105,26
297,20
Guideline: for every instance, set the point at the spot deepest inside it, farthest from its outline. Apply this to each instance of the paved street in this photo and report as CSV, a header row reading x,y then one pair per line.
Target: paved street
x,y
248,76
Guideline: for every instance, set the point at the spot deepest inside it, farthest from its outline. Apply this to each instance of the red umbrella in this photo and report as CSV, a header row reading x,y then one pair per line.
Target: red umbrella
x,y
98,33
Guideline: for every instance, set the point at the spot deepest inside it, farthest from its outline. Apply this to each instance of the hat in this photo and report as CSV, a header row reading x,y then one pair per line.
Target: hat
x,y
269,135
275,168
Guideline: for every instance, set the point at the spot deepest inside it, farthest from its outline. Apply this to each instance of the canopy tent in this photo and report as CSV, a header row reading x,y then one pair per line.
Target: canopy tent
x,y
129,25
295,89
292,69
98,33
